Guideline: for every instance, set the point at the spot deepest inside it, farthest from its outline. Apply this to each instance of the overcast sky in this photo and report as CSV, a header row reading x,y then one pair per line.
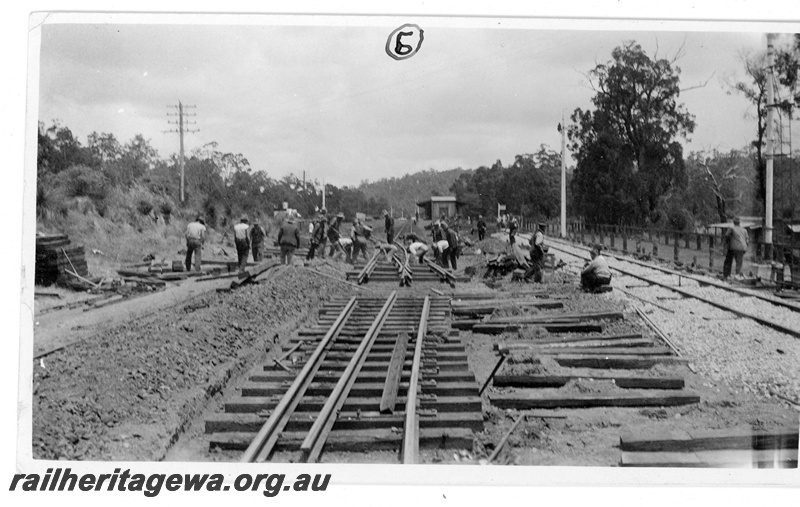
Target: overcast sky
x,y
330,101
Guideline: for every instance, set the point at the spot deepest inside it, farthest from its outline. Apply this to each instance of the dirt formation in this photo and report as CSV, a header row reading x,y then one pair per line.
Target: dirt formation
x,y
125,394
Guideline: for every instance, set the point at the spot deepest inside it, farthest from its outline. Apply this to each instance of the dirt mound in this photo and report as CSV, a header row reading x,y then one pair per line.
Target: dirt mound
x,y
491,246
124,394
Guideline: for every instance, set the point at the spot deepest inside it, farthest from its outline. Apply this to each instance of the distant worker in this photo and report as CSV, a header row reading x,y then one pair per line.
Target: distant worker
x,y
257,235
451,253
481,228
512,231
359,236
195,237
596,273
388,223
417,248
436,231
288,240
536,269
333,233
317,235
323,219
242,241
736,246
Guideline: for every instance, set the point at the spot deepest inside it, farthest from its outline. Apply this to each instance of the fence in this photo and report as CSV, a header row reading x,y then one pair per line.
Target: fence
x,y
702,250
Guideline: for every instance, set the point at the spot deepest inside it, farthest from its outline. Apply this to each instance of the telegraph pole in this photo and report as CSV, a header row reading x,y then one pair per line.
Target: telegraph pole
x,y
770,147
180,122
562,127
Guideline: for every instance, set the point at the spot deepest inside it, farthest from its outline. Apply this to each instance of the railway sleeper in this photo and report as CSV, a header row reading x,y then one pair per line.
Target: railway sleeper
x,y
256,404
354,440
302,421
367,376
365,389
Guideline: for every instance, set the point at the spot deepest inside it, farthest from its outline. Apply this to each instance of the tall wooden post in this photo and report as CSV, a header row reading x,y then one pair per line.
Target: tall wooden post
x,y
770,148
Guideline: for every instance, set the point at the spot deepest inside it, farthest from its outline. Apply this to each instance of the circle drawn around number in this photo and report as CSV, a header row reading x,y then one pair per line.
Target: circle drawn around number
x,y
404,42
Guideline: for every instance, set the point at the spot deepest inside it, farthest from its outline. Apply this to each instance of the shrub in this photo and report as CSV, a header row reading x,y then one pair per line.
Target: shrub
x,y
144,207
82,181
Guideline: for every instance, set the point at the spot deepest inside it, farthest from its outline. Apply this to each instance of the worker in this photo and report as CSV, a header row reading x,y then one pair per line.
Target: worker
x,y
388,223
440,251
538,249
288,240
317,235
333,233
323,218
242,241
596,273
481,228
451,237
195,237
436,231
342,246
512,231
359,236
735,245
257,235
416,248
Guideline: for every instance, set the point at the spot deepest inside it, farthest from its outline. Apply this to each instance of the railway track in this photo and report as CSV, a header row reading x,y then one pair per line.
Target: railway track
x,y
377,374
777,314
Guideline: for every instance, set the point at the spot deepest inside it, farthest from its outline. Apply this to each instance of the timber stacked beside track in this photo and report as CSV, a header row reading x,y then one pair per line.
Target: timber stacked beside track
x,y
448,405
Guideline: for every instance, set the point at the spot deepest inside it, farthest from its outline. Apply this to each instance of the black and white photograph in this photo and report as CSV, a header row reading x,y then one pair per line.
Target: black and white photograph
x,y
503,244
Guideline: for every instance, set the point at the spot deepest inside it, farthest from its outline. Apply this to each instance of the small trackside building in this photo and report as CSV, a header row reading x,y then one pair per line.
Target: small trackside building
x,y
439,206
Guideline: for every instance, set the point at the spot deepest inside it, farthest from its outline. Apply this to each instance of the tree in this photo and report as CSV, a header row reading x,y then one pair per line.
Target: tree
x,y
719,184
627,148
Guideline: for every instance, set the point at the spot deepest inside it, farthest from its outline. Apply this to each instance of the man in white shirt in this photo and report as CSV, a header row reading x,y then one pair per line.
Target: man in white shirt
x,y
440,250
242,240
195,237
596,273
417,249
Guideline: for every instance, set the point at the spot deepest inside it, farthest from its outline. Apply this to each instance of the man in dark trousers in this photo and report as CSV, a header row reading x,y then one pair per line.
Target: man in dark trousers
x,y
481,228
242,240
195,237
359,237
388,223
436,232
536,269
512,231
323,218
736,245
452,246
333,232
317,235
288,240
257,235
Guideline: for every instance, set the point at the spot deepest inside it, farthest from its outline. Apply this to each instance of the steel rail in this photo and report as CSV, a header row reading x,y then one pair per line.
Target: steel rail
x,y
365,273
443,273
267,436
318,434
411,427
661,334
721,306
713,283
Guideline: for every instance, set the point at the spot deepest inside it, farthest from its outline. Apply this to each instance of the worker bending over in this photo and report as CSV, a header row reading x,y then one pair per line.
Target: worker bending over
x,y
417,248
596,273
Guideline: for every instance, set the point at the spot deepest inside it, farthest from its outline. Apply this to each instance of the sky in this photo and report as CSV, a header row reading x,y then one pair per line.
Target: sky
x,y
329,101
